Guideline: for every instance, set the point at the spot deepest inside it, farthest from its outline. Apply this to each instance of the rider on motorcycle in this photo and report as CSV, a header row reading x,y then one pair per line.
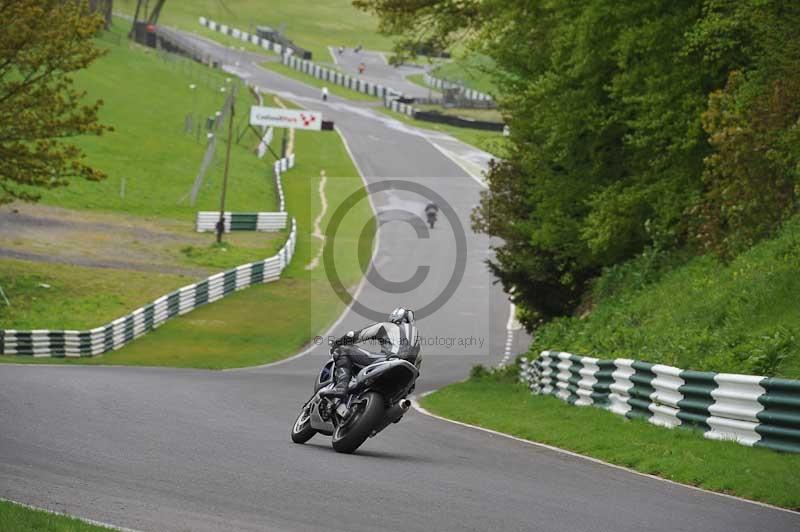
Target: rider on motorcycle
x,y
398,337
430,211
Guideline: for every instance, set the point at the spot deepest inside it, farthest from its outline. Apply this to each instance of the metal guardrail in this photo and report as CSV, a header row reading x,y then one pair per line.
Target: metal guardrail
x,y
241,221
71,343
244,36
751,410
338,78
387,94
466,92
255,221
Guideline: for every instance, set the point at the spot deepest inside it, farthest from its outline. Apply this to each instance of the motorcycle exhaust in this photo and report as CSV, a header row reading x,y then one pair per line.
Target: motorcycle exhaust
x,y
393,415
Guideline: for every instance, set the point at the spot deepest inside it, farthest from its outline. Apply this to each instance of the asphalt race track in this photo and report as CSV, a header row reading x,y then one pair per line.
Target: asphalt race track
x,y
174,449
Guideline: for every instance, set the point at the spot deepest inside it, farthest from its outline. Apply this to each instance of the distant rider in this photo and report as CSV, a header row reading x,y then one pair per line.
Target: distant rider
x,y
431,210
398,337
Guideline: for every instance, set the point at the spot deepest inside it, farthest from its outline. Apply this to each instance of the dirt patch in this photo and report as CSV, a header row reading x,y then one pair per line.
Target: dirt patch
x,y
63,236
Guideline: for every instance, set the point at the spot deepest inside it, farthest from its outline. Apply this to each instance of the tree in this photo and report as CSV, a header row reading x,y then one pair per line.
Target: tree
x,y
105,8
42,43
622,120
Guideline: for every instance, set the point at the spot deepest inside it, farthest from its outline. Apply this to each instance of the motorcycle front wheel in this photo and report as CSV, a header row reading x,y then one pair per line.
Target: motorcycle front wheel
x,y
349,437
301,430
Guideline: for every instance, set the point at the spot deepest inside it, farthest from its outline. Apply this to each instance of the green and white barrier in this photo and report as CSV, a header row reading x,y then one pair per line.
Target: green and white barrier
x,y
49,343
387,94
252,221
466,92
751,410
243,36
337,78
242,221
398,107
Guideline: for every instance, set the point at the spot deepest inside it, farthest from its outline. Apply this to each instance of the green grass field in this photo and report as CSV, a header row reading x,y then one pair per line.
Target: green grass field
x,y
257,325
147,98
497,402
75,297
18,518
312,25
269,322
314,82
470,71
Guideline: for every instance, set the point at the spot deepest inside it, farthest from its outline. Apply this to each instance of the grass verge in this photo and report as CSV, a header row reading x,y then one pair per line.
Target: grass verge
x,y
268,322
489,115
48,296
419,79
702,314
489,141
496,402
342,92
18,518
470,71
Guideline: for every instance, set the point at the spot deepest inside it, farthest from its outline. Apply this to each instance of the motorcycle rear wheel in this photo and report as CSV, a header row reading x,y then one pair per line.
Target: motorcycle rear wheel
x,y
349,437
301,430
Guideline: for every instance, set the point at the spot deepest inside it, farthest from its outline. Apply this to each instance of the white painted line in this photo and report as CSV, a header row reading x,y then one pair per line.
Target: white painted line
x,y
422,410
459,163
360,284
85,520
335,59
512,315
323,178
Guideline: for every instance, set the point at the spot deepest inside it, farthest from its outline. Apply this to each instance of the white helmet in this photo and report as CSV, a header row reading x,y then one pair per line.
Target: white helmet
x,y
400,315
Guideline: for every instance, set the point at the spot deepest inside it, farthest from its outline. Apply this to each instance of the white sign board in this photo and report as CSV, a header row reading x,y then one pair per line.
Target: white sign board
x,y
278,117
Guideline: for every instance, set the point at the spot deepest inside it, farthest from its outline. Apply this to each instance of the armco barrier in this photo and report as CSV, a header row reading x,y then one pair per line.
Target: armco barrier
x,y
256,221
466,92
388,95
47,343
751,410
337,78
399,107
242,221
243,36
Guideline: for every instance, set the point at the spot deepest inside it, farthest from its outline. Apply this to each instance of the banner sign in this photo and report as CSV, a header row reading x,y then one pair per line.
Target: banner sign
x,y
278,117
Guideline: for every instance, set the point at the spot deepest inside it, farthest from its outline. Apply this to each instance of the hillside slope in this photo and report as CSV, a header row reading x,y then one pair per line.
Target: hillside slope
x,y
741,317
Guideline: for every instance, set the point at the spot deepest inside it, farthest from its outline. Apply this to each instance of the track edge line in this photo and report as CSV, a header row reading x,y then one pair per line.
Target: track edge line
x,y
419,408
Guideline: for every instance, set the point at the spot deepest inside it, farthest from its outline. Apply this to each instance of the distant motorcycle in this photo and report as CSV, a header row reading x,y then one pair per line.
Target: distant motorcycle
x,y
430,213
431,218
376,398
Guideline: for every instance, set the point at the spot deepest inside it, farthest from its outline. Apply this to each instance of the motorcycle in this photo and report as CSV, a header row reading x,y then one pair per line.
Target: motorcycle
x,y
376,397
431,217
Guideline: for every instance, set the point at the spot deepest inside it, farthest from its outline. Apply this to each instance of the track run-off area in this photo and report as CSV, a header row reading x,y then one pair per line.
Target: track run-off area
x,y
175,449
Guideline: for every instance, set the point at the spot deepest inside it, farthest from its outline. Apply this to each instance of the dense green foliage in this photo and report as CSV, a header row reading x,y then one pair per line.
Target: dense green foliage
x,y
650,124
494,401
700,313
